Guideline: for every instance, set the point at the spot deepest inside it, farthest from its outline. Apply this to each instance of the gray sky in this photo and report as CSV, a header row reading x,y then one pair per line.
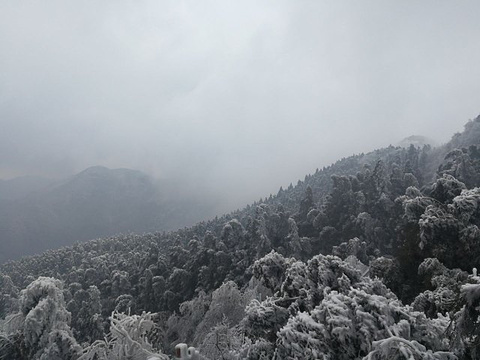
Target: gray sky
x,y
243,96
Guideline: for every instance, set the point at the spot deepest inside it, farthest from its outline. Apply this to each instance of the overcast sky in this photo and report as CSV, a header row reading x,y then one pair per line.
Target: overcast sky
x,y
244,96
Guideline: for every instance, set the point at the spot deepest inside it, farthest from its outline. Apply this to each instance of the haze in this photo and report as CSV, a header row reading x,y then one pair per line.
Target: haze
x,y
237,98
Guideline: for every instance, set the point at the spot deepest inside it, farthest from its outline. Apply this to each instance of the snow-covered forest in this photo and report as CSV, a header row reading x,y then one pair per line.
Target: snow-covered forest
x,y
372,257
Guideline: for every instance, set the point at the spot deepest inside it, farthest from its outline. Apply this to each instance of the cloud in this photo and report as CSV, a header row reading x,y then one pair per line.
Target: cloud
x,y
242,96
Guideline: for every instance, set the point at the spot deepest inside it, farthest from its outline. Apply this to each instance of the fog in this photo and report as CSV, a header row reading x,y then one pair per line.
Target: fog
x,y
237,98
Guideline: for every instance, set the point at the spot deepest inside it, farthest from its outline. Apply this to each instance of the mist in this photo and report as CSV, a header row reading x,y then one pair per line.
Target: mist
x,y
232,98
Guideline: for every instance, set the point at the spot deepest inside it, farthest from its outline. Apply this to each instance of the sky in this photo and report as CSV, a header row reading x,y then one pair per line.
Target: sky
x,y
237,97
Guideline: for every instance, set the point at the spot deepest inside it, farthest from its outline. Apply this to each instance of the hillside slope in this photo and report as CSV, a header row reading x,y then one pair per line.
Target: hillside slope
x,y
368,258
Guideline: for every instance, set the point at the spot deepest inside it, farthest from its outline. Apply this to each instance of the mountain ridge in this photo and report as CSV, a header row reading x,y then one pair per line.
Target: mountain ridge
x,y
94,203
377,242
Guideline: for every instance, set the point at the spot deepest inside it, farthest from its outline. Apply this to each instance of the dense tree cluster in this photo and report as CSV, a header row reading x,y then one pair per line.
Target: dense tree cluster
x,y
370,258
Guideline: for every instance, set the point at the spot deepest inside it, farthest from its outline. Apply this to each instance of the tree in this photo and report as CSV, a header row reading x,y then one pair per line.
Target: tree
x,y
42,325
128,339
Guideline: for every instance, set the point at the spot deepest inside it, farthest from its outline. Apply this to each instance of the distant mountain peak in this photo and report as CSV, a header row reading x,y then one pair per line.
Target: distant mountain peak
x,y
417,141
97,169
103,170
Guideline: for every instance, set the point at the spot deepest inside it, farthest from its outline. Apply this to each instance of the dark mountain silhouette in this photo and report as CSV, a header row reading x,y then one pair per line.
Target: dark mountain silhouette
x,y
97,202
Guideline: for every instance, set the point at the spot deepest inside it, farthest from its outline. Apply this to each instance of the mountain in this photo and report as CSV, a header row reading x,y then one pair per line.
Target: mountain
x,y
369,258
21,187
96,202
417,141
